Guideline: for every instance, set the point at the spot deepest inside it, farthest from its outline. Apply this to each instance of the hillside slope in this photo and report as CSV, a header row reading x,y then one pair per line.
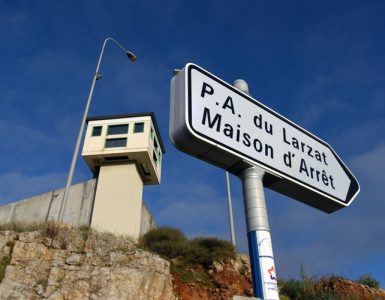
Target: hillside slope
x,y
78,263
70,263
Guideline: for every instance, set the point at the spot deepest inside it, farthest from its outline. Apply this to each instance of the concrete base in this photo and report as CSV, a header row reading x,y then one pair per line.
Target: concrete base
x,y
245,298
118,200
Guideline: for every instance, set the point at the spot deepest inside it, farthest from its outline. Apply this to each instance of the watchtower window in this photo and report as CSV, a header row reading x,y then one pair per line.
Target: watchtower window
x,y
138,127
154,157
114,143
117,129
96,131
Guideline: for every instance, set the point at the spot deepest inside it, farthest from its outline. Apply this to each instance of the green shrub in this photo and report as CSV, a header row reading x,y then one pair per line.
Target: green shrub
x,y
171,243
204,251
196,255
166,241
294,289
368,280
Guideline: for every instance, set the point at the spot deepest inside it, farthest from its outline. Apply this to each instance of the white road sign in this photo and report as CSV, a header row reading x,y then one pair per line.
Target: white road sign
x,y
213,121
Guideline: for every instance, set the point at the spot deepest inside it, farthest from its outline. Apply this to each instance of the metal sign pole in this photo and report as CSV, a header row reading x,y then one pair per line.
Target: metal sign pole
x,y
230,207
258,233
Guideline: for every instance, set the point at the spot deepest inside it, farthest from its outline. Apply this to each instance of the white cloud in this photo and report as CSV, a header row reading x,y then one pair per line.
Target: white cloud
x,y
17,186
371,166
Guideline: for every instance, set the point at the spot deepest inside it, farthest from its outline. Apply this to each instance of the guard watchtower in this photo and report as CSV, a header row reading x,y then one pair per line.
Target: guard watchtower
x,y
125,153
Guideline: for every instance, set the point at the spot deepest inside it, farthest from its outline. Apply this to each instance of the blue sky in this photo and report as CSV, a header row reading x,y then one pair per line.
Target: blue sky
x,y
318,63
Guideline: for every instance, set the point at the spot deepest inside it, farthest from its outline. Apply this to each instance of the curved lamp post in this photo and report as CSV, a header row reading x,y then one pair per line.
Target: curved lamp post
x,y
230,207
97,76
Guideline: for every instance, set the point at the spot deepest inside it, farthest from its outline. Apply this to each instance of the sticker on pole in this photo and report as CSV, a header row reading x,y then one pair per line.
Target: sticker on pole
x,y
212,120
266,265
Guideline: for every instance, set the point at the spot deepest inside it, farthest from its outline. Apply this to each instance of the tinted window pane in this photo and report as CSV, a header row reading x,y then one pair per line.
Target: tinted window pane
x,y
112,143
139,127
97,131
117,129
154,156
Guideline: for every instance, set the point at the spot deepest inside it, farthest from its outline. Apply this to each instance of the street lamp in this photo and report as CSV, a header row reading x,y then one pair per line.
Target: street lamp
x,y
97,76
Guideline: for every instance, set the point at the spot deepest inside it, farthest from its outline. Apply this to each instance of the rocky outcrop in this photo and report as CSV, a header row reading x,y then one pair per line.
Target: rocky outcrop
x,y
347,289
69,263
220,281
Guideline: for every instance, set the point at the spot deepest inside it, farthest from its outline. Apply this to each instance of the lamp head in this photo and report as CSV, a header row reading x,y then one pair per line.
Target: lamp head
x,y
241,85
131,56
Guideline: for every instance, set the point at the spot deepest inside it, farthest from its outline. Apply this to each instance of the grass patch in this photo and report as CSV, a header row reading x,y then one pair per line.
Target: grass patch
x,y
184,274
10,244
369,281
6,259
124,249
3,265
86,231
43,281
330,287
51,229
305,289
197,275
243,270
63,242
21,227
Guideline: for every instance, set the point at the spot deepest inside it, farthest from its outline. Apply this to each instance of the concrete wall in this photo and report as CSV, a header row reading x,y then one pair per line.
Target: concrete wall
x,y
46,206
147,222
78,210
